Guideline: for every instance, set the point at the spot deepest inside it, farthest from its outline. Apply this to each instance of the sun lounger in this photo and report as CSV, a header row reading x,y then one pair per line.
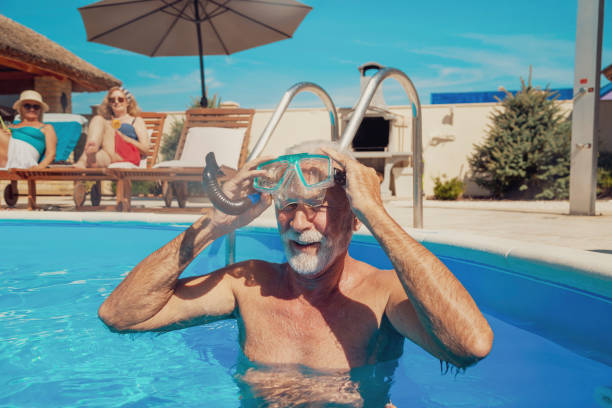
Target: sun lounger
x,y
11,193
155,126
225,131
68,129
60,173
154,123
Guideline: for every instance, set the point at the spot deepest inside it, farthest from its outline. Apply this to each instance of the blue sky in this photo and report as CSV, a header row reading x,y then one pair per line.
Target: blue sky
x,y
443,46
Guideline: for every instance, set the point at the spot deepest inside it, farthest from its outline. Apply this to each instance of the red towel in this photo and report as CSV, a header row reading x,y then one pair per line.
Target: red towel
x,y
128,151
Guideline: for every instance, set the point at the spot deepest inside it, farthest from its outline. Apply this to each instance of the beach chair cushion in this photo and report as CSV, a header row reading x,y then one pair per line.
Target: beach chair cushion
x,y
68,134
225,142
68,128
128,165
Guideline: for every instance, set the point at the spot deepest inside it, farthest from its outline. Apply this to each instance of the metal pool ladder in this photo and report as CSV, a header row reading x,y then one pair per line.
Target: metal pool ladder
x,y
417,143
349,133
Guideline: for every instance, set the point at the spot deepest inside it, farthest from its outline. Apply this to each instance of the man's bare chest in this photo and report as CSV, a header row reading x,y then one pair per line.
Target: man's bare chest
x,y
340,334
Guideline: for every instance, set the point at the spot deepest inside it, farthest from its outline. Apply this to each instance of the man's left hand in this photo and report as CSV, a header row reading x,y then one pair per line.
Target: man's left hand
x,y
362,183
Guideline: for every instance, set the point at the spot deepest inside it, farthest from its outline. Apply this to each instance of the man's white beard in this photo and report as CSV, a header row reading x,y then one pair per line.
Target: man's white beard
x,y
305,263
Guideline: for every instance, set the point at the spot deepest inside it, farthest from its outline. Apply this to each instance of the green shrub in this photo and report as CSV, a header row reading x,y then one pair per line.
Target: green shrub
x,y
142,187
604,175
170,140
447,189
604,183
214,102
146,187
526,153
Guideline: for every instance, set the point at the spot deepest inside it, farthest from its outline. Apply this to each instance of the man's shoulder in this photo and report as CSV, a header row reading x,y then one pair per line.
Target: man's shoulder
x,y
369,269
252,271
370,274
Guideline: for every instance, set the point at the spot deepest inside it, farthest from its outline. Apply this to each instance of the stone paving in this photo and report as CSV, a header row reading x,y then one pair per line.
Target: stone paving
x,y
537,222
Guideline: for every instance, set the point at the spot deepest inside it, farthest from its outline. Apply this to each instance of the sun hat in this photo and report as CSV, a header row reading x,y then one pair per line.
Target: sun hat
x,y
30,96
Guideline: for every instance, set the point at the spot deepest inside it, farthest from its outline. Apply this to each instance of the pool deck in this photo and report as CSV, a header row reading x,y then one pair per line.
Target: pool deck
x,y
537,222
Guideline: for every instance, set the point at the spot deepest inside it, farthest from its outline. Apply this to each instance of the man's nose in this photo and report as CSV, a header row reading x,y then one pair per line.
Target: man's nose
x,y
300,221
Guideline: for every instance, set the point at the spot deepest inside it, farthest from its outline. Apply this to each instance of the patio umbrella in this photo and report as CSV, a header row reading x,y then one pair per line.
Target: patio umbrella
x,y
191,27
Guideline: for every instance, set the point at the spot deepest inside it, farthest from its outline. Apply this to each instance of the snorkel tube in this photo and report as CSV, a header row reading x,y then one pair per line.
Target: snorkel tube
x,y
217,196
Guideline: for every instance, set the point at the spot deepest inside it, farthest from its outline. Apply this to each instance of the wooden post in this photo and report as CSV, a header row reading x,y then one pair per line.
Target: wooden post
x,y
124,192
31,194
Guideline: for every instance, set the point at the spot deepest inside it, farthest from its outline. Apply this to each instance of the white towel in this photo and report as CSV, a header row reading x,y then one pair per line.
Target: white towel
x,y
21,155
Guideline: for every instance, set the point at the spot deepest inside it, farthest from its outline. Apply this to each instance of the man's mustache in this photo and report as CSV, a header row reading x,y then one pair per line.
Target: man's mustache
x,y
306,237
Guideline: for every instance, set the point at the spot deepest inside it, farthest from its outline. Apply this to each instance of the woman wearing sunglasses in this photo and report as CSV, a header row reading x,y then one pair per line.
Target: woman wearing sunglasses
x,y
30,144
117,133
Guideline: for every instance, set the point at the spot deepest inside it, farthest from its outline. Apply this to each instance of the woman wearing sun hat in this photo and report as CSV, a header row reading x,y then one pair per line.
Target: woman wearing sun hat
x,y
30,144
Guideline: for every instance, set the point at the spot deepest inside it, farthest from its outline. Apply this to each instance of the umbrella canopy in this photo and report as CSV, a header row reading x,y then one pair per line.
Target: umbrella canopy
x,y
191,27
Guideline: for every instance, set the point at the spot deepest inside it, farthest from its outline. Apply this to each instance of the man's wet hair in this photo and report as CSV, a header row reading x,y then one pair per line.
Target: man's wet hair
x,y
312,146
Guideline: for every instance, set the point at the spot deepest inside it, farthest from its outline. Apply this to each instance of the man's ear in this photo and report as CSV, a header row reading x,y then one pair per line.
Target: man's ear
x,y
356,223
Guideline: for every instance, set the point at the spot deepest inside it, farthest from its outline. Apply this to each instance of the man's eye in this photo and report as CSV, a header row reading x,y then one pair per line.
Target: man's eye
x,y
289,207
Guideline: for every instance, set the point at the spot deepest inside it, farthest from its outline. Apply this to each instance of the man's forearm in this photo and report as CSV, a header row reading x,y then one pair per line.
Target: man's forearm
x,y
149,286
446,310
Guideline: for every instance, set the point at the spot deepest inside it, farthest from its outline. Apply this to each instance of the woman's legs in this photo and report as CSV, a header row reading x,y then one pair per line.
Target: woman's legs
x,y
5,137
100,146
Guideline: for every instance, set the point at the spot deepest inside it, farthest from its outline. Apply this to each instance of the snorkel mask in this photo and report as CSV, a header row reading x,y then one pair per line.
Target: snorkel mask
x,y
294,178
298,178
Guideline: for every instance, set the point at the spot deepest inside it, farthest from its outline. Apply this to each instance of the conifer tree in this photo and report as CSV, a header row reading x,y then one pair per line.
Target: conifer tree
x,y
526,153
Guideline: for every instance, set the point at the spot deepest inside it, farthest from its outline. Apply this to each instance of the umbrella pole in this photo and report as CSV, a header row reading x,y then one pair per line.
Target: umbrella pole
x,y
203,101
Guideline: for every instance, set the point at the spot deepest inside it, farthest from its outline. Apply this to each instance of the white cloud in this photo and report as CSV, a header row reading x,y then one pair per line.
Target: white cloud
x,y
501,58
525,43
150,75
241,61
346,61
117,51
177,84
369,43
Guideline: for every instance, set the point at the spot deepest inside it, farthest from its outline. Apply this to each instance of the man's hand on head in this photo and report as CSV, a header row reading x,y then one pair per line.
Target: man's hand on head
x,y
238,186
362,183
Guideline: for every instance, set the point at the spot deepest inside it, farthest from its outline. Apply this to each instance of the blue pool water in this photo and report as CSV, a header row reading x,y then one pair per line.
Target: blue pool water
x,y
54,352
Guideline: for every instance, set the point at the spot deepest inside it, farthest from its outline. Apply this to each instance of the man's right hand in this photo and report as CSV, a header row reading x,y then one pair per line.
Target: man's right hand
x,y
238,186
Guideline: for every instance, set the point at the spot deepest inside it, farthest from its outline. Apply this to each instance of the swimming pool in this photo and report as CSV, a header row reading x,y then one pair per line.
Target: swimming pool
x,y
553,335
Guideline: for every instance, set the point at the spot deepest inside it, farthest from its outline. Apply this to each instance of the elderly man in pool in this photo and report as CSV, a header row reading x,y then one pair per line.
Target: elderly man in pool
x,y
322,309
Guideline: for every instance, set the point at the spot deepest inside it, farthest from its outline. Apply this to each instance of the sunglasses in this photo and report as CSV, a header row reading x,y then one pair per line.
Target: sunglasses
x,y
29,106
119,99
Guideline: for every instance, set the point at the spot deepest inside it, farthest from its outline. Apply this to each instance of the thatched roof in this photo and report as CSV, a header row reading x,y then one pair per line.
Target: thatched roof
x,y
27,51
607,71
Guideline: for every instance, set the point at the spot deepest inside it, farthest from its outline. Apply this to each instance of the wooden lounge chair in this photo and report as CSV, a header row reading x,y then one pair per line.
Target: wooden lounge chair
x,y
154,123
155,127
11,193
68,128
225,131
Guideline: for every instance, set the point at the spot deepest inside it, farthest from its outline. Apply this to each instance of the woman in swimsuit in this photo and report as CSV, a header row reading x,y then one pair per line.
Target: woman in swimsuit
x,y
117,133
30,144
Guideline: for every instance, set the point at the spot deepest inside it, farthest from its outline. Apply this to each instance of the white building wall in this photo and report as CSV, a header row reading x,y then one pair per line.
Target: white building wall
x,y
449,135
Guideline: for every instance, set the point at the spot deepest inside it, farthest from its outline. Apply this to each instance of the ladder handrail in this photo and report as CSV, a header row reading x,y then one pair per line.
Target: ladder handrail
x,y
230,248
417,142
349,133
282,107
